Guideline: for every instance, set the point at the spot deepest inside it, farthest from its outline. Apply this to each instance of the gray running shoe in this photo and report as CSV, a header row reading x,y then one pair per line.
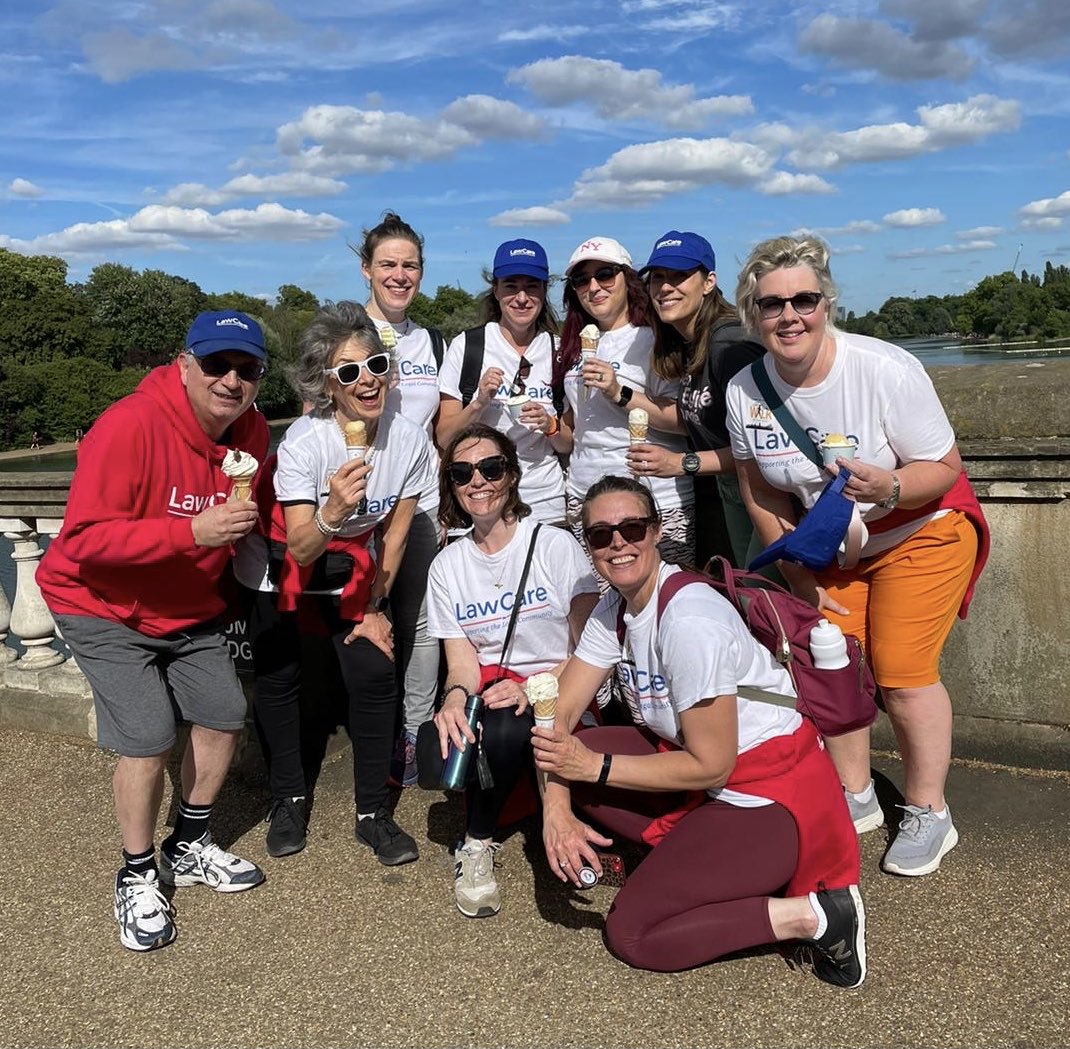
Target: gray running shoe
x,y
202,862
142,911
867,815
922,842
474,884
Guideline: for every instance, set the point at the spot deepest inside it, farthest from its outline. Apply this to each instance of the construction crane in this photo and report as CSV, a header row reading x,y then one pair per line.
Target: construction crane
x,y
1018,255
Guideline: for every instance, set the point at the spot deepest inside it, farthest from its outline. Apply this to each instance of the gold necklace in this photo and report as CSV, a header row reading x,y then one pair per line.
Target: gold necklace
x,y
486,559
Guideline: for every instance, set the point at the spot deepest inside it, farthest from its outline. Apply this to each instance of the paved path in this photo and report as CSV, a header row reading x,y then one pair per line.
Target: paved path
x,y
335,950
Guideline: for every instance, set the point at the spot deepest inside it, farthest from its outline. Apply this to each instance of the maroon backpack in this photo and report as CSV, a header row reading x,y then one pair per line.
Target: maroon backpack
x,y
837,701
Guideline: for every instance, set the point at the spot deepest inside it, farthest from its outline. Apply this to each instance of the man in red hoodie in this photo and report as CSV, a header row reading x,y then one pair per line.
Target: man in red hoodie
x,y
133,582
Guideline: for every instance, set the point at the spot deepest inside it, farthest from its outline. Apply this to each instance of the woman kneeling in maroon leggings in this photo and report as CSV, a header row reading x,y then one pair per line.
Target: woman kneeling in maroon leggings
x,y
753,842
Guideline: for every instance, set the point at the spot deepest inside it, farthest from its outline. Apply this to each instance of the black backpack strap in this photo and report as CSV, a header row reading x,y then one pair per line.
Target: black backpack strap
x,y
784,417
472,364
438,345
557,387
518,600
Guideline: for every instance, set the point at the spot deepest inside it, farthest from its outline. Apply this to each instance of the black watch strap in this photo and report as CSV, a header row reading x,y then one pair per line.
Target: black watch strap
x,y
379,604
625,396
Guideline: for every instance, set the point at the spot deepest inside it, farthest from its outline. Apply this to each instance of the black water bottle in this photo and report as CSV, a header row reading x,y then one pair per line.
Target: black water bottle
x,y
455,774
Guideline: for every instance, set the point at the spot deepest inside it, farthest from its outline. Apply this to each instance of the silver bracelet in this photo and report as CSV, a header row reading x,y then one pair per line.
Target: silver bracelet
x,y
325,529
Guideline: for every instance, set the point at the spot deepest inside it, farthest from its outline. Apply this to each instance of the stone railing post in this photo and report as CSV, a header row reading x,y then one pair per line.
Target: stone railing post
x,y
7,653
31,622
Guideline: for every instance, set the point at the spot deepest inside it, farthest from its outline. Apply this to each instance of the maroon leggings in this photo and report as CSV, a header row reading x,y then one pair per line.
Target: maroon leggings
x,y
703,891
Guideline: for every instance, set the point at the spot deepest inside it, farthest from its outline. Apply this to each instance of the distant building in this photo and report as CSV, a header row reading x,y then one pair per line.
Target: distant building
x,y
841,314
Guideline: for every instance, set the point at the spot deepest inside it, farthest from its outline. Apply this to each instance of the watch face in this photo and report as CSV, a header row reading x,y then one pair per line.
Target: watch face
x,y
692,463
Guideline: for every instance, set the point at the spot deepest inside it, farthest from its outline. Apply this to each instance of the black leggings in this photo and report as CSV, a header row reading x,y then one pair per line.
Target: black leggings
x,y
507,745
370,684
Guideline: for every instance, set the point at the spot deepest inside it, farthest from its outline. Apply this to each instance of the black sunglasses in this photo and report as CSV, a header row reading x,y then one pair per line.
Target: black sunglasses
x,y
803,303
517,386
216,366
347,374
666,276
605,275
632,530
492,469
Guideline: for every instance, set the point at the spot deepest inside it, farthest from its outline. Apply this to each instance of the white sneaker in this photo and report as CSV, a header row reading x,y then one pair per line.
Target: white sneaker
x,y
474,884
202,862
142,911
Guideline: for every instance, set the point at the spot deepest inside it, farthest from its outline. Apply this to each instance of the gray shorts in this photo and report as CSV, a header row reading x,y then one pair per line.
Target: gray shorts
x,y
142,685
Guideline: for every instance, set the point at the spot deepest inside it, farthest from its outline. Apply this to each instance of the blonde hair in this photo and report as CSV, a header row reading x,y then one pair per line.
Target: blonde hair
x,y
783,253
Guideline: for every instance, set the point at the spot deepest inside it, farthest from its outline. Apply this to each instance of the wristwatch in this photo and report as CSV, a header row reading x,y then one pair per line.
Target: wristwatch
x,y
625,396
893,500
691,463
379,604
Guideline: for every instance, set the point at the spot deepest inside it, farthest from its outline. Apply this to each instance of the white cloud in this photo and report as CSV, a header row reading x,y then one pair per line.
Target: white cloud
x,y
644,173
161,227
945,20
21,187
940,127
851,229
542,32
1047,206
978,233
781,183
861,43
912,218
488,117
1037,27
539,216
286,184
118,54
1048,222
624,94
945,249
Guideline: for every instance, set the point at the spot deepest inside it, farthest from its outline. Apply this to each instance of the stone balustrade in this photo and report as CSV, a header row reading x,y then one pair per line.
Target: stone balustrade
x,y
1007,667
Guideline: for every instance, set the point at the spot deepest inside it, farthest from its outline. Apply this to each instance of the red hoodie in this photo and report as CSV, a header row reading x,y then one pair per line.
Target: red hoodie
x,y
126,551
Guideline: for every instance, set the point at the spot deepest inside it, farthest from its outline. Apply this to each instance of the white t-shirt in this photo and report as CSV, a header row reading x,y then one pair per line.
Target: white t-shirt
x,y
601,430
875,393
701,649
311,452
542,483
470,594
416,394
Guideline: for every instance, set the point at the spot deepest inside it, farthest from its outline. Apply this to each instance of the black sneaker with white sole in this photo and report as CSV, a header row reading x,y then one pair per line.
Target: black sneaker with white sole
x,y
840,954
391,845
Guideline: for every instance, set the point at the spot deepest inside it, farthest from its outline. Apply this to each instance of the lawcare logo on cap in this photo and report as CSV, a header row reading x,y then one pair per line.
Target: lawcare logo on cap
x,y
681,251
521,258
220,330
599,249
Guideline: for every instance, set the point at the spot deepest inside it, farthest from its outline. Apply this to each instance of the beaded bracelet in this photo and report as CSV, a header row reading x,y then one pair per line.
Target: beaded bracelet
x,y
325,529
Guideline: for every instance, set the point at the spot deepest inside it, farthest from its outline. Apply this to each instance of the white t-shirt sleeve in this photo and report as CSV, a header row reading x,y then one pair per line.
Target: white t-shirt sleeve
x,y
734,404
598,644
441,621
297,474
697,671
449,375
915,422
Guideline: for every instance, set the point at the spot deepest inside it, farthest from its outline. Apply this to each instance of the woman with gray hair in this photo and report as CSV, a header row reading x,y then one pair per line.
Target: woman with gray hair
x,y
345,489
919,539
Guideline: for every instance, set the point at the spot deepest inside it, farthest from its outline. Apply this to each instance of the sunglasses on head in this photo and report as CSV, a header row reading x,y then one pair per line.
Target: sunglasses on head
x,y
803,303
378,364
520,379
215,366
631,529
492,469
605,275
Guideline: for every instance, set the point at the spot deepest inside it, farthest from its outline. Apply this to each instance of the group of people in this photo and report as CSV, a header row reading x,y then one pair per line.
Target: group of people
x,y
490,500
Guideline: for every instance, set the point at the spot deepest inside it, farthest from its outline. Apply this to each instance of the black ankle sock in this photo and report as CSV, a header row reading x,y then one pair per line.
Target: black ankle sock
x,y
141,863
190,824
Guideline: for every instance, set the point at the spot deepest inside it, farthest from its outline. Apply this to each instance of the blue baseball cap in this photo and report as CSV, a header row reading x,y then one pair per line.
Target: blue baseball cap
x,y
681,251
521,258
220,330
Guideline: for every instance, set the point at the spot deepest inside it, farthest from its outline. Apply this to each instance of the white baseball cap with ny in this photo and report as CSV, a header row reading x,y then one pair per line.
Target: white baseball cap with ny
x,y
599,249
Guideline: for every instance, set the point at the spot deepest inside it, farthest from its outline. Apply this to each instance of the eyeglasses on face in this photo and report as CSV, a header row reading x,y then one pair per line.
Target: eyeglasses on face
x,y
658,276
492,469
518,385
216,365
803,303
378,364
631,529
605,275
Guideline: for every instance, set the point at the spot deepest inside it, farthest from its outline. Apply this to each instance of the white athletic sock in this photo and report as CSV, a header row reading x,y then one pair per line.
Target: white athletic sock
x,y
863,795
365,815
819,913
942,814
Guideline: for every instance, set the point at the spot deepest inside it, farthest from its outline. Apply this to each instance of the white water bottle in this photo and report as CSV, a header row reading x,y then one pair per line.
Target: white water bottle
x,y
828,646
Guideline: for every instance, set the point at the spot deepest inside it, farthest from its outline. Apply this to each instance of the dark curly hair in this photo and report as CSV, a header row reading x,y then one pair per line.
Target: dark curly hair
x,y
450,512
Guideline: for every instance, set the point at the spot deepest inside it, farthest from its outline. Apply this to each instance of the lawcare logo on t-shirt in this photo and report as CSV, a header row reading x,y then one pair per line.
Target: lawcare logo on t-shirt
x,y
481,612
536,393
189,504
411,372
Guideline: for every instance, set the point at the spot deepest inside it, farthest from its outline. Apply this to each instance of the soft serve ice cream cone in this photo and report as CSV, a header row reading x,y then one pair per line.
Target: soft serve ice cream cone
x,y
638,424
240,467
589,337
542,695
356,434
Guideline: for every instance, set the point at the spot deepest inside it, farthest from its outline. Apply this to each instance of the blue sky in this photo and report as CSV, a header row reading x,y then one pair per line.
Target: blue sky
x,y
245,143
